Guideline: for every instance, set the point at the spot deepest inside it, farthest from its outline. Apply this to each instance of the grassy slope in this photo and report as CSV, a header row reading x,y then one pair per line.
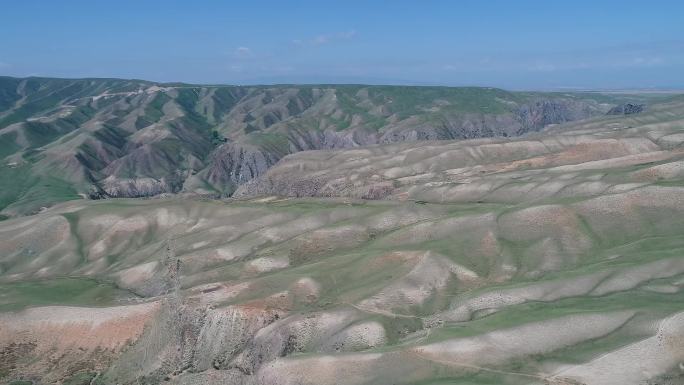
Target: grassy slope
x,y
60,291
344,247
25,191
67,112
347,279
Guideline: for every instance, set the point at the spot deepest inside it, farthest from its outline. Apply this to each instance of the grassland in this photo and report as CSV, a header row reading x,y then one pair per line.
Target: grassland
x,y
110,138
62,291
554,259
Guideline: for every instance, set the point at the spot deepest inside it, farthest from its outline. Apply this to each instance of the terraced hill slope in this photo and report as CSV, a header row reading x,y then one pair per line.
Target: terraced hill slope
x,y
61,139
556,258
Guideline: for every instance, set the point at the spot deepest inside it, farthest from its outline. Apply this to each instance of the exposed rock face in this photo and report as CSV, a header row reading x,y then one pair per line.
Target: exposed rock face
x,y
233,164
627,109
541,113
138,187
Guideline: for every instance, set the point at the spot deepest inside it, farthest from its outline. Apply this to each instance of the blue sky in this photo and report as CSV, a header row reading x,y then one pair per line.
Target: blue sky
x,y
512,44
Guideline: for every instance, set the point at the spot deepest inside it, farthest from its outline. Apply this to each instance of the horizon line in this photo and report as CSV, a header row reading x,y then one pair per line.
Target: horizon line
x,y
580,89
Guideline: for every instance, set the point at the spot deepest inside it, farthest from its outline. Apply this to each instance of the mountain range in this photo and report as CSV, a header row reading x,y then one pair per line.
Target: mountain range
x,y
63,139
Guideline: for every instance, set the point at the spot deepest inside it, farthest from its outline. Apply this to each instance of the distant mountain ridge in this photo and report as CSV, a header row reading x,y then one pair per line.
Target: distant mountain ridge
x,y
61,138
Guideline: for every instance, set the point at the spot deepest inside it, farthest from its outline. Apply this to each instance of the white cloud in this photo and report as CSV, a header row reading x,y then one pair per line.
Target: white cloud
x,y
347,35
320,39
647,61
326,38
617,61
543,67
243,53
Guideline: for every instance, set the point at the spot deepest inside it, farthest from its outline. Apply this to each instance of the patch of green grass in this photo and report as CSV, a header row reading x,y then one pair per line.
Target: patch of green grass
x,y
27,192
225,98
8,93
187,98
82,378
621,98
406,101
48,94
58,291
480,378
153,111
305,99
40,133
271,141
8,144
28,110
112,135
655,304
217,139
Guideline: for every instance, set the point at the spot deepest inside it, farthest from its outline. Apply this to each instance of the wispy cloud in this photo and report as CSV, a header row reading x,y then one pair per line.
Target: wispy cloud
x,y
236,68
625,61
243,53
632,56
626,56
543,67
646,61
325,38
259,69
254,63
347,35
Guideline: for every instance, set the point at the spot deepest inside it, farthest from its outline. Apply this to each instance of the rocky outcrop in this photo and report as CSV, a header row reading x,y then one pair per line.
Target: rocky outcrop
x,y
627,109
233,164
113,187
541,113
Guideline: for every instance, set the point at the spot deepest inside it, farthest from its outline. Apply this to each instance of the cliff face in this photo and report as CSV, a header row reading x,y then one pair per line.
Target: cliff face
x,y
543,112
233,164
120,138
626,109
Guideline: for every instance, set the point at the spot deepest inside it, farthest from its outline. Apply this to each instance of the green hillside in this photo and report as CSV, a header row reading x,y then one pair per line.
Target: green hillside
x,y
61,138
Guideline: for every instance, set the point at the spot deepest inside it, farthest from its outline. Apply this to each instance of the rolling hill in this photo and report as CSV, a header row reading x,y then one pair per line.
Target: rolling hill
x,y
63,139
550,259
